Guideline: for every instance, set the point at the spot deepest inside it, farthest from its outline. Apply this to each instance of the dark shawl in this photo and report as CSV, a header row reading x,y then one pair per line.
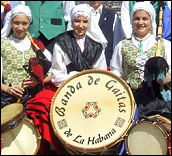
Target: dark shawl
x,y
79,60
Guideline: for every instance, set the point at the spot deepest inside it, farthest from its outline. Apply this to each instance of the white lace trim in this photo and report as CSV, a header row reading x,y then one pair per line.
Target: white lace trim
x,y
140,63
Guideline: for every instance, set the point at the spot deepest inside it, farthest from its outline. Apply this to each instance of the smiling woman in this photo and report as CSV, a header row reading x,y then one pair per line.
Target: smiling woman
x,y
78,49
74,51
141,23
80,26
134,60
16,54
20,25
130,55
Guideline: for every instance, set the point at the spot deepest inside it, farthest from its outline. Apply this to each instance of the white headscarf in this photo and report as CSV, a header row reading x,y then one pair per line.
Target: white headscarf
x,y
94,31
18,10
81,10
146,6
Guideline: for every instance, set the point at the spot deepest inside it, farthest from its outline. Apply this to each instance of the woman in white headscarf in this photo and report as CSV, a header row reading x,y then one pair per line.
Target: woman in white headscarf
x,y
79,49
16,51
74,51
134,60
130,56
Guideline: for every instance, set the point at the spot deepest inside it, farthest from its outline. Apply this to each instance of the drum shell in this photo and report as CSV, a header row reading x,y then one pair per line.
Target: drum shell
x,y
24,139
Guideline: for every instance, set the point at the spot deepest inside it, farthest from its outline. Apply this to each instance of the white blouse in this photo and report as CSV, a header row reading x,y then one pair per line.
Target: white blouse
x,y
60,60
116,61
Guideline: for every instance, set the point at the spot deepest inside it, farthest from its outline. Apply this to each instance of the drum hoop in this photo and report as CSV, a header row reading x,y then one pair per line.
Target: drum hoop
x,y
15,121
137,123
37,132
80,149
163,120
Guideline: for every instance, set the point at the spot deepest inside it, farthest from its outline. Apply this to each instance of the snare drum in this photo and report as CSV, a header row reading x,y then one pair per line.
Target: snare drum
x,y
19,136
91,112
146,138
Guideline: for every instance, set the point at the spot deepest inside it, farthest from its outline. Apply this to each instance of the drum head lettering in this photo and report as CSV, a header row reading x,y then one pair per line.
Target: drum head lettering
x,y
92,110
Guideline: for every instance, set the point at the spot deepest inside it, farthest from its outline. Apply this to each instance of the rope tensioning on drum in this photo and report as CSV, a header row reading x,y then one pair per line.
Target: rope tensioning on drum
x,y
135,119
155,121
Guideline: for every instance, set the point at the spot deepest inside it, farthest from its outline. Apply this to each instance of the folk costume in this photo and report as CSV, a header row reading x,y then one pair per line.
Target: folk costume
x,y
130,55
71,55
154,98
134,60
110,25
48,23
16,57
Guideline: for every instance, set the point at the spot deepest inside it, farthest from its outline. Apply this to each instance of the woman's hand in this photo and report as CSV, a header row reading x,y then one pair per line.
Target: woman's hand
x,y
30,82
15,91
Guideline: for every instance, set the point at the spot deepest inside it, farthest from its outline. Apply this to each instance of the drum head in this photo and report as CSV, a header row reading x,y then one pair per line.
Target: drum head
x,y
92,111
11,116
22,140
146,138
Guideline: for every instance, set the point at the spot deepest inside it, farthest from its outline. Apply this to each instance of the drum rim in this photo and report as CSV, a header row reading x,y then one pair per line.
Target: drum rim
x,y
168,121
80,149
17,119
137,123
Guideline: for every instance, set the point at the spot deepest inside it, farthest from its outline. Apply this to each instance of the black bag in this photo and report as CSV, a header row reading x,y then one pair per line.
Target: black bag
x,y
46,64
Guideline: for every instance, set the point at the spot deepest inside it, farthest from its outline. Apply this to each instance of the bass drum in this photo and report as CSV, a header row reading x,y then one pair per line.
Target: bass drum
x,y
91,112
18,134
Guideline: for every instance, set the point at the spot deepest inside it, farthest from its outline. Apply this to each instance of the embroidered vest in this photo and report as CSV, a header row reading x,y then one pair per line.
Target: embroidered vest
x,y
48,18
13,61
129,54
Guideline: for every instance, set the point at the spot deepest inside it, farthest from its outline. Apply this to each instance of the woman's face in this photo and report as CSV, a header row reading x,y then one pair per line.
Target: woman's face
x,y
142,23
20,25
80,25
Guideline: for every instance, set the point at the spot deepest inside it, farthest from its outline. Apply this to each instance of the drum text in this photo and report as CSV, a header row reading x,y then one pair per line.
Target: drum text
x,y
119,95
95,140
110,86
